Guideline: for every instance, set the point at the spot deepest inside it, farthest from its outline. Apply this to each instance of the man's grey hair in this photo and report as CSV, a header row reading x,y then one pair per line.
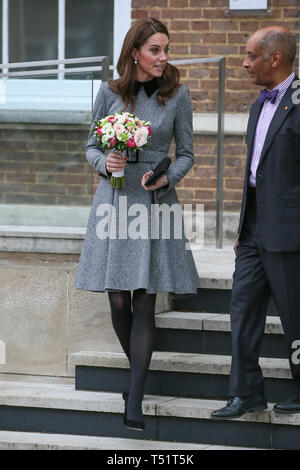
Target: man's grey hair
x,y
279,41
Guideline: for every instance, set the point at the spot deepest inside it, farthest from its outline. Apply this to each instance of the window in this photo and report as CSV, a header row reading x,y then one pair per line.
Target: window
x,y
58,29
32,30
89,28
36,30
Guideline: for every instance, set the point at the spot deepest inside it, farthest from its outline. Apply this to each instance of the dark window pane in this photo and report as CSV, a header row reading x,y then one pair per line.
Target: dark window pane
x,y
32,30
89,28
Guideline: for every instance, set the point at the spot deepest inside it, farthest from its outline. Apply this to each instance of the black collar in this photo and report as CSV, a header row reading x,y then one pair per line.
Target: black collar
x,y
149,87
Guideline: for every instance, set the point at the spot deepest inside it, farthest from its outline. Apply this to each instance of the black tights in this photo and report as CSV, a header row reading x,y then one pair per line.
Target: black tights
x,y
136,332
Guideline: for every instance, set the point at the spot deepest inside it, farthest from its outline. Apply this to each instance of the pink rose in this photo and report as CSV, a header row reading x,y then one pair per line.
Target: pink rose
x,y
119,128
112,142
99,130
140,137
112,119
131,142
149,130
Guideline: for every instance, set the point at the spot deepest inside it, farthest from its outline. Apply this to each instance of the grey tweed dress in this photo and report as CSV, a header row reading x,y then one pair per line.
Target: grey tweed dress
x,y
143,254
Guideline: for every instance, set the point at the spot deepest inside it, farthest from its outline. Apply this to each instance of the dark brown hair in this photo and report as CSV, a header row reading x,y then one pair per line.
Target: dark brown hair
x,y
137,35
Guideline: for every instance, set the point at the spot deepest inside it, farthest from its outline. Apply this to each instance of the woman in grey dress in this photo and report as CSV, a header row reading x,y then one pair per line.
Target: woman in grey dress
x,y
146,260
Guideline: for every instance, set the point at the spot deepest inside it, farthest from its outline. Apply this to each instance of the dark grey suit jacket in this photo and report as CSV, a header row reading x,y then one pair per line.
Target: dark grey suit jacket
x,y
277,177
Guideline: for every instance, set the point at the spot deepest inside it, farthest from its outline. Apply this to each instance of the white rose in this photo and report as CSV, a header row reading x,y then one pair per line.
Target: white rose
x,y
121,119
119,128
106,127
140,137
144,130
109,133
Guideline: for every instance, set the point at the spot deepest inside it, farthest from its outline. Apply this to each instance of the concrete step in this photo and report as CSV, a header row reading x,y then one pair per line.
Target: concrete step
x,y
180,362
180,374
210,333
10,440
211,299
208,322
59,409
215,268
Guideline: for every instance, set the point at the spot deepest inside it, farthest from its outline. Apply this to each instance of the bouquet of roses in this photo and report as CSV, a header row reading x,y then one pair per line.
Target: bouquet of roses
x,y
120,132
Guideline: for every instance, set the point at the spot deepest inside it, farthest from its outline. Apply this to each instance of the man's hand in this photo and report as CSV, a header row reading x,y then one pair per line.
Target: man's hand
x,y
235,246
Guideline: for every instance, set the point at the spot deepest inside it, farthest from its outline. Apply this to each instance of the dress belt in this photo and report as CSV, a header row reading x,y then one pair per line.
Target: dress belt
x,y
136,154
137,157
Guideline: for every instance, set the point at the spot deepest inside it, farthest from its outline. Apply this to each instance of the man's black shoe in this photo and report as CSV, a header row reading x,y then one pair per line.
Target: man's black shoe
x,y
290,406
237,406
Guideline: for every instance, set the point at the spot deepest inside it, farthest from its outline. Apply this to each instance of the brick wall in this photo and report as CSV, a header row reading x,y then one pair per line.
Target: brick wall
x,y
199,185
47,165
201,28
44,165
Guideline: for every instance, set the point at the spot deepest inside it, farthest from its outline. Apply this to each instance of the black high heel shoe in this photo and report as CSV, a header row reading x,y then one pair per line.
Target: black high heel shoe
x,y
131,424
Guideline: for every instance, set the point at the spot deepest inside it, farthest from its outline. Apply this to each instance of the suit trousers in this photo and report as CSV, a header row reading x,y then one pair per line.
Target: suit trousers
x,y
258,275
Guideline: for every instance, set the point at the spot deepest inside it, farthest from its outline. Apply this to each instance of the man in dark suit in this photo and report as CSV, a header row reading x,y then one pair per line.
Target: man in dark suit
x,y
268,246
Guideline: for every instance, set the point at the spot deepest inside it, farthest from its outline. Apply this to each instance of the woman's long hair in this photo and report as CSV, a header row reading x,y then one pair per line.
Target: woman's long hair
x,y
137,35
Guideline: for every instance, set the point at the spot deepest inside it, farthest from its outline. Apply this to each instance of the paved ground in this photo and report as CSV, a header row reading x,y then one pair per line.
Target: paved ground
x,y
213,262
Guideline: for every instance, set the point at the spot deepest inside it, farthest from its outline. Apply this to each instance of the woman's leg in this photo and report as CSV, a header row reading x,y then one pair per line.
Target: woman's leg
x,y
121,314
141,348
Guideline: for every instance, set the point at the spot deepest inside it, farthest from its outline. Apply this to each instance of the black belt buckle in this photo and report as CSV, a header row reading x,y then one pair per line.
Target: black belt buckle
x,y
130,154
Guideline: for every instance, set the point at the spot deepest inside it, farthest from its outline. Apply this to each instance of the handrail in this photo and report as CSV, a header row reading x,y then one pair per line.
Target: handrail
x,y
103,60
45,63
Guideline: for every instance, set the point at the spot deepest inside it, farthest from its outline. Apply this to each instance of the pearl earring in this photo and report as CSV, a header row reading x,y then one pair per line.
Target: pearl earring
x,y
135,61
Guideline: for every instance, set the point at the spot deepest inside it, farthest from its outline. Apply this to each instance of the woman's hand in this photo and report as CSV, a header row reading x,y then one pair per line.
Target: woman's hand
x,y
162,181
115,162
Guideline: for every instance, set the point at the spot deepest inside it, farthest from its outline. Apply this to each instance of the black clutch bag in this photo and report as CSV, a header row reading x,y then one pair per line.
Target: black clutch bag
x,y
159,170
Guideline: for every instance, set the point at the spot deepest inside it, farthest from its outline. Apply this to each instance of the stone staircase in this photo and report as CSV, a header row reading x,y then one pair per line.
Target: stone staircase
x,y
188,379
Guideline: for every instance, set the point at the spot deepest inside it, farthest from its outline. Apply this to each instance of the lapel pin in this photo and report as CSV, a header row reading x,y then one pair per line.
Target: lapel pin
x,y
286,108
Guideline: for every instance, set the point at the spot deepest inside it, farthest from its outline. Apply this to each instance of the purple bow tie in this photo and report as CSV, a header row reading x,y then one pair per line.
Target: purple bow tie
x,y
267,95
